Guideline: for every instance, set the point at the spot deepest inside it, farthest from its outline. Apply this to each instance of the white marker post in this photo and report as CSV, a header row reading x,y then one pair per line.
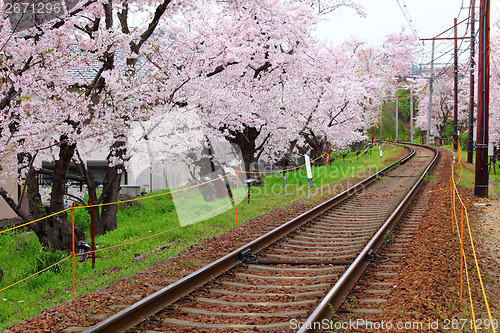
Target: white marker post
x,y
380,148
309,172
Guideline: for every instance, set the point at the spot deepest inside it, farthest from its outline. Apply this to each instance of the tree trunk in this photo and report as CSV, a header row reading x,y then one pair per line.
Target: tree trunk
x,y
54,233
317,145
246,140
100,226
210,170
111,186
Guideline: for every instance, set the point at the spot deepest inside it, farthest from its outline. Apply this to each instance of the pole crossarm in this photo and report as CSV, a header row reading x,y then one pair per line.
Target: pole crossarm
x,y
443,38
436,37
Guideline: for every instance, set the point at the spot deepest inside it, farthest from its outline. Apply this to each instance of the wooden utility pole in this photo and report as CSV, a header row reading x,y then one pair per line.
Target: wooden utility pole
x,y
481,181
470,141
455,111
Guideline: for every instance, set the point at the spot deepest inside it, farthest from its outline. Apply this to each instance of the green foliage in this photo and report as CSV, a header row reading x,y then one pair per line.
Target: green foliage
x,y
448,131
463,137
389,119
496,179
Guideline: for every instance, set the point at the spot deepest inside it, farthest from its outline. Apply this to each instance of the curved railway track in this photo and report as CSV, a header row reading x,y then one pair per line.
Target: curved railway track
x,y
300,271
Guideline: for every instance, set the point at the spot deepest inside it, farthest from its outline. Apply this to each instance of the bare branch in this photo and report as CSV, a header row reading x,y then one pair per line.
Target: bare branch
x,y
123,17
12,204
160,10
221,68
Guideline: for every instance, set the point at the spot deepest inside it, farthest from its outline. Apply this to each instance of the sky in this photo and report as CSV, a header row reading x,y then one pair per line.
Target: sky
x,y
428,17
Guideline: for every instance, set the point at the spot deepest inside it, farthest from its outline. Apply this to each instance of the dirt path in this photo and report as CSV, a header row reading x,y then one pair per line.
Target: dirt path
x,y
489,226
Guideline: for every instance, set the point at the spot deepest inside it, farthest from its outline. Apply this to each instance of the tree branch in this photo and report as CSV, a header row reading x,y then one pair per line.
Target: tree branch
x,y
263,142
12,204
160,10
31,169
342,109
76,198
262,68
221,68
259,148
123,18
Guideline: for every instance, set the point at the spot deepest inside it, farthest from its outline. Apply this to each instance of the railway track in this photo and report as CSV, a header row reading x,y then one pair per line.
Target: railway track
x,y
298,273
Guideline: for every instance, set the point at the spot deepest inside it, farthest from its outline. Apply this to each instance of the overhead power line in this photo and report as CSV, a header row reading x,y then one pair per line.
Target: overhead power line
x,y
408,18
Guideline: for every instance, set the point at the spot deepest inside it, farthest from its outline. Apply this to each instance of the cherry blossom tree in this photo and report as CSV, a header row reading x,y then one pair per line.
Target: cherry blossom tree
x,y
289,92
494,120
49,104
246,59
349,97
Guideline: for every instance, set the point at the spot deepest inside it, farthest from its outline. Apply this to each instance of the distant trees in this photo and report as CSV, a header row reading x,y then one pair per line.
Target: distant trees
x,y
443,101
495,85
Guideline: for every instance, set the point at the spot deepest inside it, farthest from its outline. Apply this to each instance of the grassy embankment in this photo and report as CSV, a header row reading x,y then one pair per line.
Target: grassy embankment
x,y
389,120
21,254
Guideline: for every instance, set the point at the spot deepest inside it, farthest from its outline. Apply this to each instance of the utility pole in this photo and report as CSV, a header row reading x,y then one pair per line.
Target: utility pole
x,y
381,113
455,111
397,115
470,141
411,115
429,116
481,180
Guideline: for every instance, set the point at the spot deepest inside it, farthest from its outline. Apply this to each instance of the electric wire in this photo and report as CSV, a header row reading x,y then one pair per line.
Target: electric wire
x,y
408,18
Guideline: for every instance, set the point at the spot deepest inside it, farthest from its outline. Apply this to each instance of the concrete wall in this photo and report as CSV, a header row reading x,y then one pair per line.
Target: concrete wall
x,y
10,186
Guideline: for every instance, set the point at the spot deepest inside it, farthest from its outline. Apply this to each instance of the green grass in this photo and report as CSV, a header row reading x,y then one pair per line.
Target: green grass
x,y
466,176
21,254
463,176
496,179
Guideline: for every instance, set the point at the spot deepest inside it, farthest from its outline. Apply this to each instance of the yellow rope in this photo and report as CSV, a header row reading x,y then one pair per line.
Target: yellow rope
x,y
115,246
473,250
455,219
118,202
279,171
138,199
32,275
37,220
152,196
157,195
478,271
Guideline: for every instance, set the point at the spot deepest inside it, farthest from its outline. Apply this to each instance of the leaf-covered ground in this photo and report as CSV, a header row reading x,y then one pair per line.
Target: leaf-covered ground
x,y
427,287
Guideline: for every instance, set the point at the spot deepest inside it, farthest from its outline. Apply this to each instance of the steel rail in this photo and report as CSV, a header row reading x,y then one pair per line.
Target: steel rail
x,y
334,299
131,316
